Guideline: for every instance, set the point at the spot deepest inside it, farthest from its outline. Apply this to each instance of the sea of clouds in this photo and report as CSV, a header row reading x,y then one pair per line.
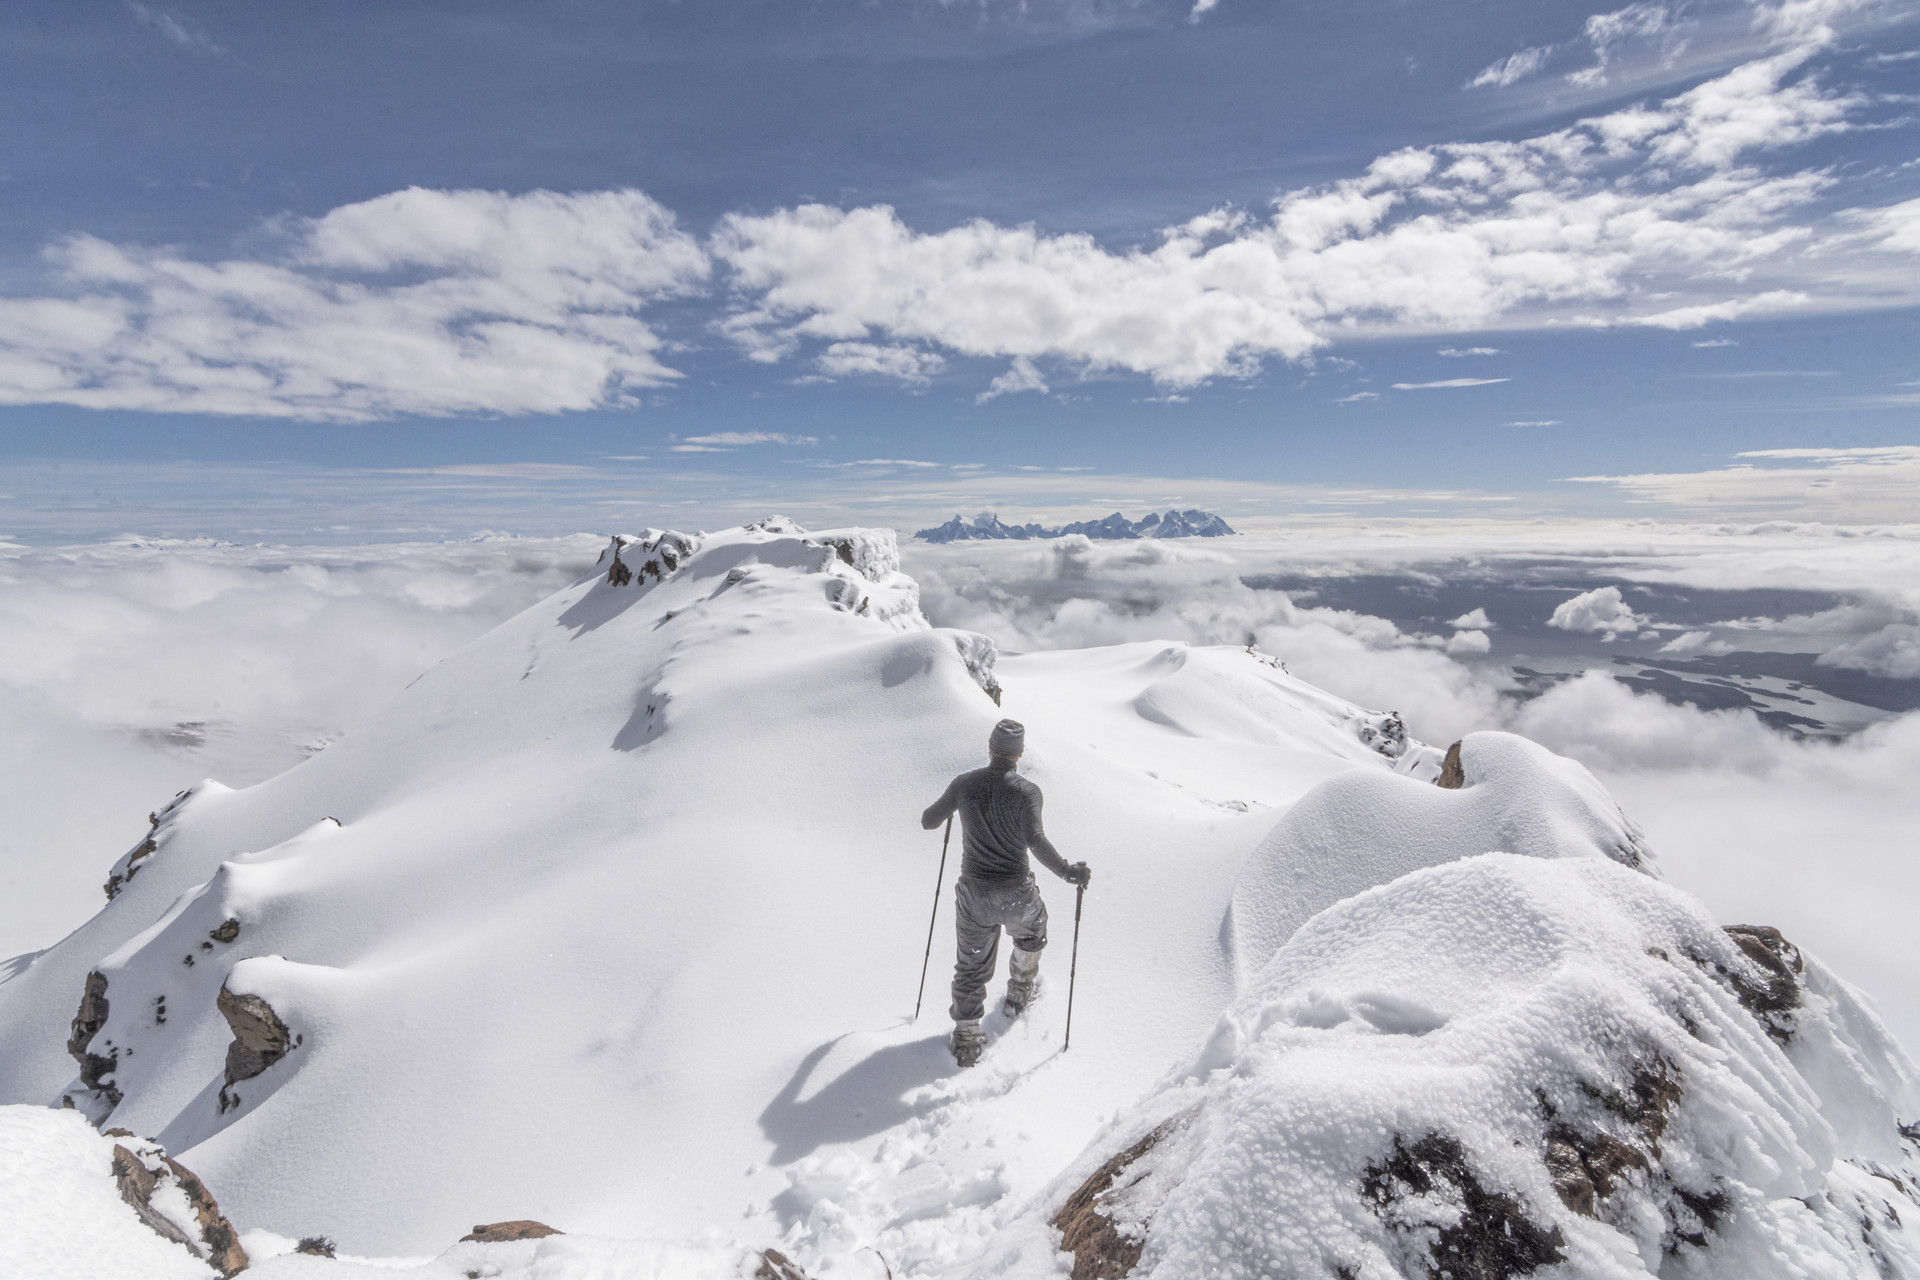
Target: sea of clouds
x,y
133,668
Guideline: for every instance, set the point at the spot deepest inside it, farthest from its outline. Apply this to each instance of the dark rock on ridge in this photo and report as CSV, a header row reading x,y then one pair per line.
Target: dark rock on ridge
x,y
260,1039
1452,1225
141,1173
92,1015
775,1265
1452,776
500,1232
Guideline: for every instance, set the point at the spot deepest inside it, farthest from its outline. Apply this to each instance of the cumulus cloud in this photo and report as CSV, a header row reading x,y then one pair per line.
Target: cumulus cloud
x,y
1658,213
1893,650
1601,610
1476,619
417,302
903,363
1695,642
1465,642
1022,376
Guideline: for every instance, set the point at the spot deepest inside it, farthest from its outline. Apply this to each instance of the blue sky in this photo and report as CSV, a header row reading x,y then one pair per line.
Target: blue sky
x,y
1269,257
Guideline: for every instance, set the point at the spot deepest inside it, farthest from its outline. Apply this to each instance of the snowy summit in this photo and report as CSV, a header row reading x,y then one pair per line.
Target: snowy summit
x,y
603,936
1191,523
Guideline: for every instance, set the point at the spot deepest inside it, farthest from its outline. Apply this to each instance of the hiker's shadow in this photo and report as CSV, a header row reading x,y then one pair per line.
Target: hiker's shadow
x,y
867,1097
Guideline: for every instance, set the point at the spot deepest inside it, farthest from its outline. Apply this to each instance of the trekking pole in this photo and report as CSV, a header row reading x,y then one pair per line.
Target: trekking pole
x,y
928,959
1079,896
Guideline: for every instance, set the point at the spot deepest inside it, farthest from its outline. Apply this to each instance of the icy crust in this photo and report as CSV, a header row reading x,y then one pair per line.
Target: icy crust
x,y
1365,828
1508,1065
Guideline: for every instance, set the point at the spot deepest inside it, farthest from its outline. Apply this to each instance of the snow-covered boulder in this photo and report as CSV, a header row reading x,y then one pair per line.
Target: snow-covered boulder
x,y
1508,1065
1364,828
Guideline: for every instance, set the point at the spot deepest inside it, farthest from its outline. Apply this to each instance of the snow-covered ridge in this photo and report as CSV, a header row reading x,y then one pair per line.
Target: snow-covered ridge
x,y
612,920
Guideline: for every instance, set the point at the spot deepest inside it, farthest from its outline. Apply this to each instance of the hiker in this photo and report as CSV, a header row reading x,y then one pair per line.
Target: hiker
x,y
999,823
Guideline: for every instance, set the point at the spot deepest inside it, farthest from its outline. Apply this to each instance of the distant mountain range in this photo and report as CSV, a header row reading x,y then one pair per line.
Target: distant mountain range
x,y
1174,524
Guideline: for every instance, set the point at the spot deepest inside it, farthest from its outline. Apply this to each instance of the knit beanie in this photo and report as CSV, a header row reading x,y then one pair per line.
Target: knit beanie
x,y
1009,738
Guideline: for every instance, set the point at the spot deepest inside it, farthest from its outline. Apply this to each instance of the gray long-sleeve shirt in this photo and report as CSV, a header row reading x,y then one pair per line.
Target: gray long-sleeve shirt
x,y
999,822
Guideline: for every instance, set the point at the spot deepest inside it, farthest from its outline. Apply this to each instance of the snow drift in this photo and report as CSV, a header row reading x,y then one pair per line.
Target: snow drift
x,y
1499,1064
611,921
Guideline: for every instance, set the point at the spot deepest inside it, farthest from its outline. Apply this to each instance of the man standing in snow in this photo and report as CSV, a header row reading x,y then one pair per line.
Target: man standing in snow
x,y
999,822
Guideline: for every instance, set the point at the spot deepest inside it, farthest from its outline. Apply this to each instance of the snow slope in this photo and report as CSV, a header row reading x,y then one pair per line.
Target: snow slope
x,y
613,919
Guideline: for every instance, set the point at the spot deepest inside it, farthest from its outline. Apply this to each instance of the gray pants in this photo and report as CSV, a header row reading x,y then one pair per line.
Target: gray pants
x,y
981,907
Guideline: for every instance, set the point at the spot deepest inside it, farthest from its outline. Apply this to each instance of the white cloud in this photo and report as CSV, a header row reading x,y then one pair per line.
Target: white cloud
x,y
1695,642
1476,619
1606,32
1448,382
1716,342
1599,610
1732,309
1893,650
907,364
1879,483
1357,397
131,670
1513,67
732,438
1534,422
1455,353
1465,642
1661,214
176,29
1022,376
418,302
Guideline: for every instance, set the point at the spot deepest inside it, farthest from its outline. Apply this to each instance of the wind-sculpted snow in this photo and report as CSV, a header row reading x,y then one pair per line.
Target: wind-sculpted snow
x,y
1507,1065
1358,830
612,919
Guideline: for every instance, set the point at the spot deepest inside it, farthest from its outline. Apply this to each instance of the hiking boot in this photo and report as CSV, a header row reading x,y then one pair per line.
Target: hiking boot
x,y
967,1042
1023,981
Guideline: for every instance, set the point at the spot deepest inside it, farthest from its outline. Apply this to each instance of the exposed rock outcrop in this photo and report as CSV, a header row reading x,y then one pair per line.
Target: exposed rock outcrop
x,y
663,554
499,1232
1448,1222
260,1039
775,1265
133,860
1104,1239
1452,776
144,1169
1770,989
87,1022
